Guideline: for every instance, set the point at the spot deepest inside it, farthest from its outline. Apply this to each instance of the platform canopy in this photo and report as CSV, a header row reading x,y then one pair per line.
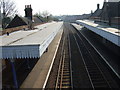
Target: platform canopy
x,y
109,33
30,43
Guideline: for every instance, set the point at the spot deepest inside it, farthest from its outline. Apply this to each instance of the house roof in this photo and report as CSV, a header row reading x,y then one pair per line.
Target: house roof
x,y
37,19
110,9
19,21
96,13
26,20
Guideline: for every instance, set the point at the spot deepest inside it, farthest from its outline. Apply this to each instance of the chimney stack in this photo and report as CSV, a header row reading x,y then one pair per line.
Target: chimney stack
x,y
98,6
28,11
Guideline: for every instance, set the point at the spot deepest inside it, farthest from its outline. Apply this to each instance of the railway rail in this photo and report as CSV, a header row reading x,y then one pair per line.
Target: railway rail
x,y
64,79
96,73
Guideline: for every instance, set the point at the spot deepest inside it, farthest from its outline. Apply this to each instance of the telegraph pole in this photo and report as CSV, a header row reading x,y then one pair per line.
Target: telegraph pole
x,y
3,21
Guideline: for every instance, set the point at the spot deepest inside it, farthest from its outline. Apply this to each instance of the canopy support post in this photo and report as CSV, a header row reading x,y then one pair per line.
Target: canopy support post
x,y
14,73
28,64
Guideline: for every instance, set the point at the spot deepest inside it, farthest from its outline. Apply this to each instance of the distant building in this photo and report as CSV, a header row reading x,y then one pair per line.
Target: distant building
x,y
96,14
73,18
27,20
110,13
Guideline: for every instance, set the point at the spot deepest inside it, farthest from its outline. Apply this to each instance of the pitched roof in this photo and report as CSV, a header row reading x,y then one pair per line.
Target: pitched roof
x,y
110,9
37,19
26,20
17,21
96,13
20,21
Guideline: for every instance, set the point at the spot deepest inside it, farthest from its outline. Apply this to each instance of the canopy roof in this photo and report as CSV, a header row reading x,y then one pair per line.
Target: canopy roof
x,y
28,44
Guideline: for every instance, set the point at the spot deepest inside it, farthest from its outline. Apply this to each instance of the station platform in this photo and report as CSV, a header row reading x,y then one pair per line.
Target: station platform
x,y
30,43
38,76
109,33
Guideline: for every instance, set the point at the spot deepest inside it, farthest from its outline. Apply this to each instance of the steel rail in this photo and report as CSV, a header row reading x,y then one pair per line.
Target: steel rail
x,y
94,60
70,61
102,57
83,61
59,69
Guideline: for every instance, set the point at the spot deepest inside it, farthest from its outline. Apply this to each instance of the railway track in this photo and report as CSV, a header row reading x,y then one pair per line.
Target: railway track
x,y
80,66
95,72
64,76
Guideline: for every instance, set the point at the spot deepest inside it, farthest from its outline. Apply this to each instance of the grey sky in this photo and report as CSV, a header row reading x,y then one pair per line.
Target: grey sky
x,y
60,7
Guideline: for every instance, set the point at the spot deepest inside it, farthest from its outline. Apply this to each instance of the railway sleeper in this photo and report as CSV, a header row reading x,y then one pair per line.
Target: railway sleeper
x,y
95,72
96,75
66,74
66,85
66,70
100,86
97,78
66,82
99,83
66,67
66,78
92,67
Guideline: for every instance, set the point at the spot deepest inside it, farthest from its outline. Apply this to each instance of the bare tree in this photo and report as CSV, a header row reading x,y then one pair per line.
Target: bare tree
x,y
45,14
39,14
8,7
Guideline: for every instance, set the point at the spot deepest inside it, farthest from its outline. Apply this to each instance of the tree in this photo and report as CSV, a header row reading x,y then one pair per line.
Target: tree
x,y
8,8
45,14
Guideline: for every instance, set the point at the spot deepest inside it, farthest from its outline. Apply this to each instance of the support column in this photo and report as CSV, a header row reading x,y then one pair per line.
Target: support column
x,y
28,64
14,73
104,40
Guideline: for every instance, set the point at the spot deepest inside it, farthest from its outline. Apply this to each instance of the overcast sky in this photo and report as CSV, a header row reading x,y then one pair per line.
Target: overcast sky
x,y
59,7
